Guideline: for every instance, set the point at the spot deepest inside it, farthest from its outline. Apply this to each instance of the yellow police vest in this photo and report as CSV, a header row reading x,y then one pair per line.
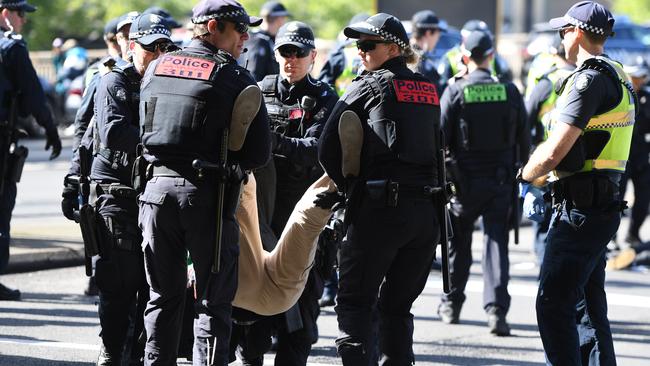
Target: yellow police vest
x,y
618,123
540,66
352,69
544,115
455,58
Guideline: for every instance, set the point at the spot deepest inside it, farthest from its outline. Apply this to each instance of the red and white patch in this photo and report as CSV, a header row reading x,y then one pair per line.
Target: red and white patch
x,y
296,113
413,91
185,67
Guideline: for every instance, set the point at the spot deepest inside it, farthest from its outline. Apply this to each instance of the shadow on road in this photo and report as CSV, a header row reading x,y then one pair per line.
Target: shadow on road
x,y
31,361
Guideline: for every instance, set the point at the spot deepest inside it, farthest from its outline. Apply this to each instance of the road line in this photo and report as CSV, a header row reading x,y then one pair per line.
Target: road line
x,y
613,299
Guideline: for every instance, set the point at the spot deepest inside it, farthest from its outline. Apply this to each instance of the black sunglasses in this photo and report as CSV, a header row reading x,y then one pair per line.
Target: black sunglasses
x,y
291,51
152,47
240,27
368,45
563,31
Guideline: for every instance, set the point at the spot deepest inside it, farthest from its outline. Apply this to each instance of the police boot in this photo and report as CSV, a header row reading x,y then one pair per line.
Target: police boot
x,y
497,321
351,139
92,289
449,312
8,294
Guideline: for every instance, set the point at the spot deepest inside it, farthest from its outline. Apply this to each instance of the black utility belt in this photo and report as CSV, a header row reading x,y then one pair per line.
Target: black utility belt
x,y
585,191
116,189
391,192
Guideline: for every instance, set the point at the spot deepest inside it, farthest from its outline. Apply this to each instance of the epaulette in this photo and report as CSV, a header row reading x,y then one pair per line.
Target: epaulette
x,y
106,65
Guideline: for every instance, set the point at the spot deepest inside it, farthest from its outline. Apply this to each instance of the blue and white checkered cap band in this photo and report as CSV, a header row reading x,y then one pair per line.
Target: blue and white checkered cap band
x,y
224,15
387,36
295,38
583,25
157,30
15,3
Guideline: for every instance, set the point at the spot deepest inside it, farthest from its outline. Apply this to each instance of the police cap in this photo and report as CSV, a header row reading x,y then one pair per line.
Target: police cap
x,y
588,16
477,44
148,28
297,34
383,25
126,19
164,14
222,10
274,9
17,5
474,25
426,19
110,29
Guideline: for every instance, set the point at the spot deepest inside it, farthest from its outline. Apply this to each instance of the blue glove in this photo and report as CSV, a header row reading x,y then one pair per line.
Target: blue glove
x,y
534,205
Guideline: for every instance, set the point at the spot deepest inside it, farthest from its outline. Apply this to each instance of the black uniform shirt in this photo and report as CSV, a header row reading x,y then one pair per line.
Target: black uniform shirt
x,y
482,162
303,150
259,59
640,148
334,65
23,80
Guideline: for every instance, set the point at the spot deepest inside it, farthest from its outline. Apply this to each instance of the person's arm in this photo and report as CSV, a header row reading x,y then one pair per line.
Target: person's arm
x,y
32,98
115,115
534,103
304,151
550,153
85,112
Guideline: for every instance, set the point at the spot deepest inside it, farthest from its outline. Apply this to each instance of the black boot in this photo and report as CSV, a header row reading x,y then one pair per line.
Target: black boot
x,y
8,294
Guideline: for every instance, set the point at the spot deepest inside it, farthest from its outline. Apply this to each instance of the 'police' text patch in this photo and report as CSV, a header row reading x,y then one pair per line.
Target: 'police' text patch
x,y
186,67
485,93
412,91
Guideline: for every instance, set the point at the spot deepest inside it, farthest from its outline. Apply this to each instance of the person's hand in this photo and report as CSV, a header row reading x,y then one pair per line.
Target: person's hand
x,y
54,142
330,200
534,206
70,202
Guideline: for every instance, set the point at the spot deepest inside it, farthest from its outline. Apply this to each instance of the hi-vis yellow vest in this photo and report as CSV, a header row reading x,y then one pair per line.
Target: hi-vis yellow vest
x,y
618,123
544,115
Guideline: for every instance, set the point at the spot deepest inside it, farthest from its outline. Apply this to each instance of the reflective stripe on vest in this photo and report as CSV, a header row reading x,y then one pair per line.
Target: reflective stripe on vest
x,y
618,122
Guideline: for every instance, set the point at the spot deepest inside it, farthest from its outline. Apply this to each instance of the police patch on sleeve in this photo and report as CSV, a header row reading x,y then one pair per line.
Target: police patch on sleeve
x,y
120,94
582,82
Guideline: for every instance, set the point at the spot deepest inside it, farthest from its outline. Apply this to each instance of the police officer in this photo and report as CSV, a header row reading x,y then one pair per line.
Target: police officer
x,y
484,121
120,269
259,58
298,107
191,101
452,64
20,91
393,225
586,154
539,103
638,167
343,64
424,38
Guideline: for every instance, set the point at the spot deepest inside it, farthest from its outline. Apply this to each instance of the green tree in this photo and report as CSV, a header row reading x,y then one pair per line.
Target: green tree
x,y
637,10
86,18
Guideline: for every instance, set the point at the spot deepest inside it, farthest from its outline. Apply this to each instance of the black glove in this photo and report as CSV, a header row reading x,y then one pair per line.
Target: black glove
x,y
70,202
330,200
53,141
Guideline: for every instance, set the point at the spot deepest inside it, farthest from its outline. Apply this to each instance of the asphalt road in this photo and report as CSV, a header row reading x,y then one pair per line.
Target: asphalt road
x,y
55,324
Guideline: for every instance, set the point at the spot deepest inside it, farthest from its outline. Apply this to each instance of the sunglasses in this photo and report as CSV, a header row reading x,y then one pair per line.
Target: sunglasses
x,y
368,45
292,51
151,47
240,27
563,31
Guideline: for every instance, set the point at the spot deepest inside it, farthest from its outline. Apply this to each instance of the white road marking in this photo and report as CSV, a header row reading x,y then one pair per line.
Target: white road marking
x,y
515,289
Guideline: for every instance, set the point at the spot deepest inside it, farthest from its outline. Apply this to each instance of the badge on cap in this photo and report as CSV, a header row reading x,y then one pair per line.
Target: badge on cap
x,y
155,19
582,82
292,27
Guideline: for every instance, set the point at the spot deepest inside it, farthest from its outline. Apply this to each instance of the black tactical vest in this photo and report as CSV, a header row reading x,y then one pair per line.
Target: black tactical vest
x,y
285,119
407,120
181,117
488,120
5,85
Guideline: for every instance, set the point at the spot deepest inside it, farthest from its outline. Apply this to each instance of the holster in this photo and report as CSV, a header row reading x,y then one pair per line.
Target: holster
x,y
90,234
16,163
383,191
141,173
454,175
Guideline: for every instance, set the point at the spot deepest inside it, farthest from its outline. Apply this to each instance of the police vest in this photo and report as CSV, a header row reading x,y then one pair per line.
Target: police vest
x,y
6,89
285,119
555,76
488,120
352,69
539,67
181,118
604,145
406,121
455,58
